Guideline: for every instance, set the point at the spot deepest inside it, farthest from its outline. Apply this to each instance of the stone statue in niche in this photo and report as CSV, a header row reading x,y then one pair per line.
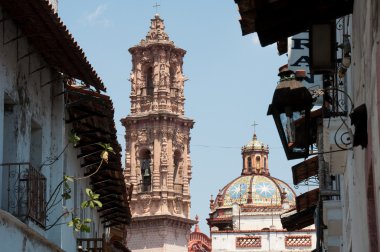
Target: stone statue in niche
x,y
162,57
155,104
133,82
146,57
156,76
164,151
177,205
163,75
180,169
145,200
179,137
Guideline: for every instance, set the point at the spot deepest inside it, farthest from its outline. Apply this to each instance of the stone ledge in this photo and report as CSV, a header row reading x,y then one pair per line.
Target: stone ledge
x,y
7,221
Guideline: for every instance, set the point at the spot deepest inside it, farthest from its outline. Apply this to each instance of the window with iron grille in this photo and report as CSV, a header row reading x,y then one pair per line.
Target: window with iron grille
x,y
26,192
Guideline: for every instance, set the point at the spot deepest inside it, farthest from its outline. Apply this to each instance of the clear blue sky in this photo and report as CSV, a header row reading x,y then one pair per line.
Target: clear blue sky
x,y
232,79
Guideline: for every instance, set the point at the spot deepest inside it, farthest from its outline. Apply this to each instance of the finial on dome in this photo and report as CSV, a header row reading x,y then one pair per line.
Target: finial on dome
x,y
211,203
196,229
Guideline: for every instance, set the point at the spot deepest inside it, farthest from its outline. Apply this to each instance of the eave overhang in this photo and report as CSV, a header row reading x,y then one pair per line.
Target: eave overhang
x,y
293,220
303,215
91,116
276,20
51,38
304,170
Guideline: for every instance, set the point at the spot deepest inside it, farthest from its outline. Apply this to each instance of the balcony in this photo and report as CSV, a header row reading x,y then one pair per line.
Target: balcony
x,y
90,244
25,192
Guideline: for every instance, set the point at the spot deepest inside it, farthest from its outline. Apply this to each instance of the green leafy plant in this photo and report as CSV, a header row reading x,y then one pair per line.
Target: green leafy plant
x,y
78,224
93,200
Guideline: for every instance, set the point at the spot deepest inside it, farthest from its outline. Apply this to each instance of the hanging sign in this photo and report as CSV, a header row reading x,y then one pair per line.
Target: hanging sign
x,y
298,59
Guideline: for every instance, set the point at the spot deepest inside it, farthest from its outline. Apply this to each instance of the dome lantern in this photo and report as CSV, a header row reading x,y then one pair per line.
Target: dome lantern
x,y
255,157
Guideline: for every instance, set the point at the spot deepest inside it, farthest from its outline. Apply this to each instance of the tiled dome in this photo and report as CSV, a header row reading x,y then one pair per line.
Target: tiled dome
x,y
256,190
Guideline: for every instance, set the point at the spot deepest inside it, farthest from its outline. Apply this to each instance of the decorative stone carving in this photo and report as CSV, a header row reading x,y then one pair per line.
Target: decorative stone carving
x,y
133,135
146,57
142,136
133,83
179,137
177,205
155,124
164,151
162,75
145,200
156,32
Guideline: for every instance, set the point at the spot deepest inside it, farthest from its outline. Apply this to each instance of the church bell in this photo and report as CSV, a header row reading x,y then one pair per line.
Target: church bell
x,y
146,173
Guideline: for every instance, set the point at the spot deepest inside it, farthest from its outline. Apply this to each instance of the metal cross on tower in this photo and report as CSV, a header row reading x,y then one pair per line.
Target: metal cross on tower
x,y
156,6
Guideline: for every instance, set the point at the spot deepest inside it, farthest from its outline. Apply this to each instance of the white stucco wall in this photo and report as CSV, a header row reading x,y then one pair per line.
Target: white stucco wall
x,y
363,89
270,241
257,222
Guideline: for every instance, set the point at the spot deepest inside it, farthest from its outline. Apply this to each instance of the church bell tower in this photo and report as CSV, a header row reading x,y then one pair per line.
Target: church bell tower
x,y
157,146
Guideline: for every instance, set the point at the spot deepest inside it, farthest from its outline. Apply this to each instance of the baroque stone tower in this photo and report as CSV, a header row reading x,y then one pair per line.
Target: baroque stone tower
x,y
157,146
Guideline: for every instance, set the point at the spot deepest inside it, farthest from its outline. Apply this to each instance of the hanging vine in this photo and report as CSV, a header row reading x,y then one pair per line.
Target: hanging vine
x,y
78,224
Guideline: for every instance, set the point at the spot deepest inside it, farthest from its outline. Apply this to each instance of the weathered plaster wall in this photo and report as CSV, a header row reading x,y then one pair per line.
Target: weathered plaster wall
x,y
15,236
28,104
365,89
31,100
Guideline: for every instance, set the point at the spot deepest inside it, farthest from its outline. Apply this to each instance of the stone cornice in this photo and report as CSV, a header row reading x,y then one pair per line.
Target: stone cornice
x,y
162,220
264,231
153,45
157,116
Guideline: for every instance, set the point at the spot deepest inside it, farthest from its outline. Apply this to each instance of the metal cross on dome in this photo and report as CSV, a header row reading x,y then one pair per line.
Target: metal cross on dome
x,y
254,126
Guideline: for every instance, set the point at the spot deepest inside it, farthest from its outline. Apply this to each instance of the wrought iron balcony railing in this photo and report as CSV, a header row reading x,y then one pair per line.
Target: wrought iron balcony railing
x,y
26,192
90,244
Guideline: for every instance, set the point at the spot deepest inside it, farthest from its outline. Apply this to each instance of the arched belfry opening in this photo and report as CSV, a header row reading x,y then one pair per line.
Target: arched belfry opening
x,y
146,173
249,164
177,158
149,81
